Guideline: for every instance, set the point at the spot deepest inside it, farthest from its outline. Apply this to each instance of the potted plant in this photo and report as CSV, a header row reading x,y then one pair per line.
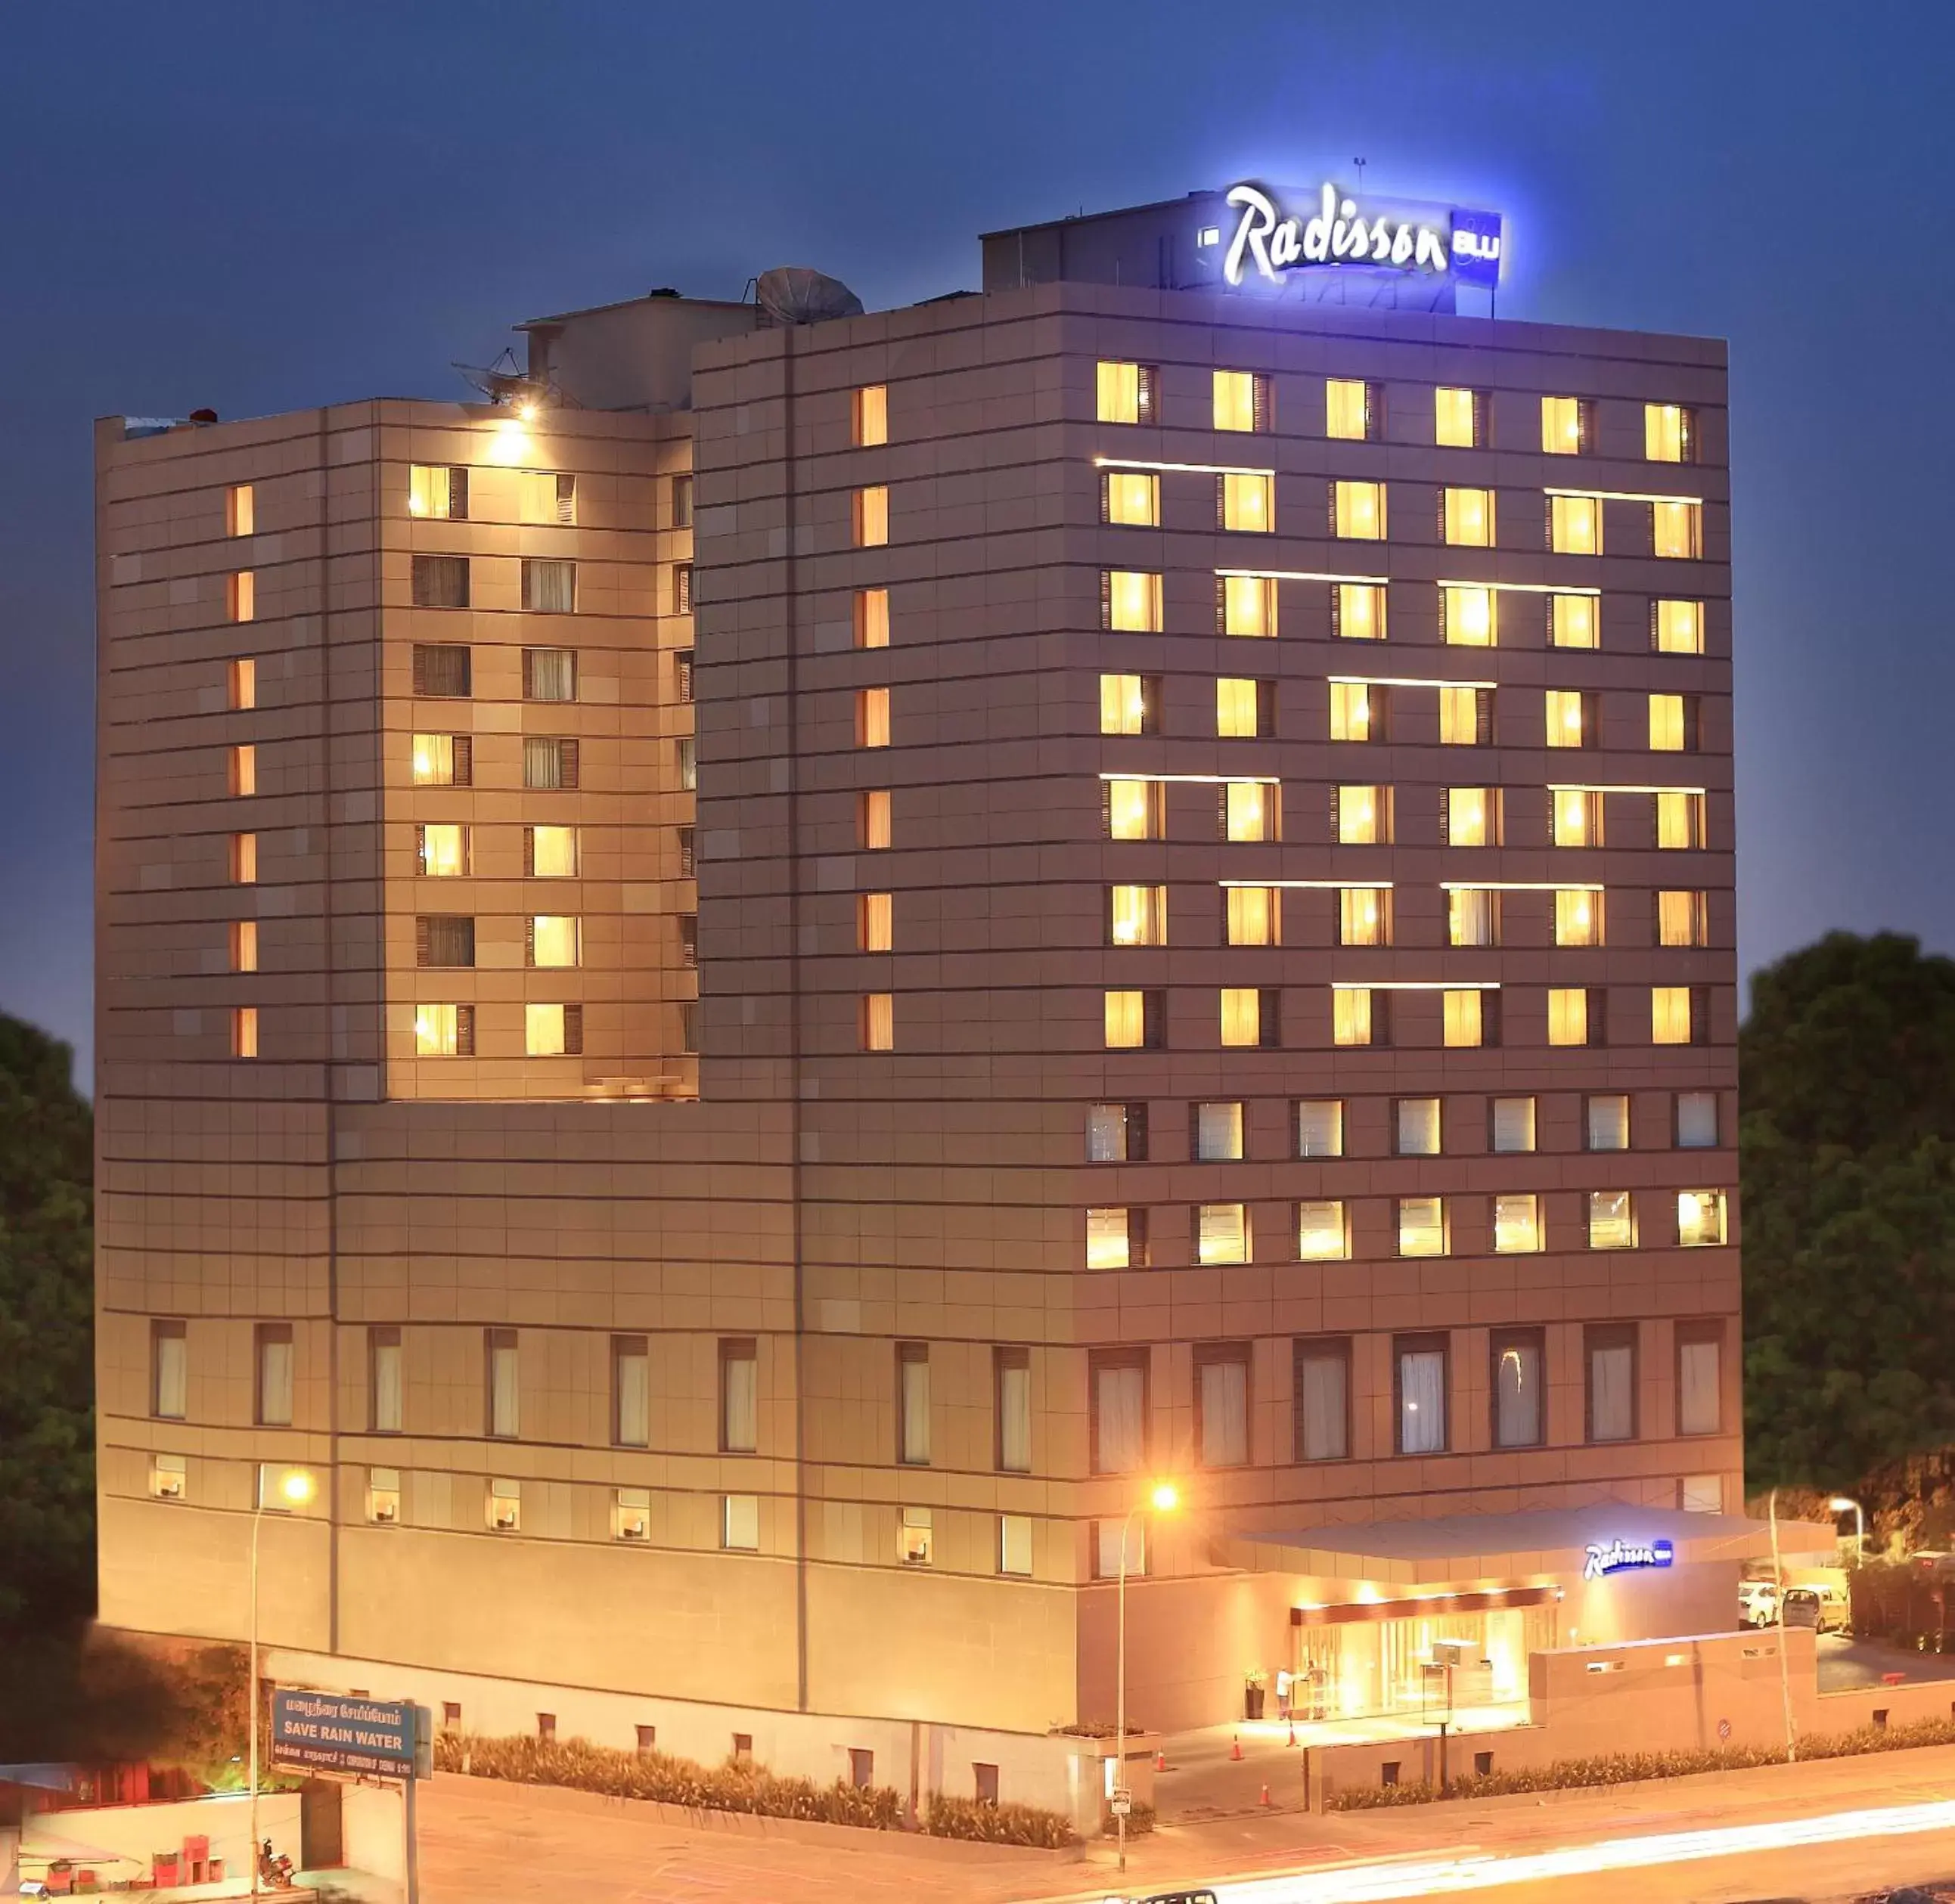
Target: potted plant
x,y
1252,1692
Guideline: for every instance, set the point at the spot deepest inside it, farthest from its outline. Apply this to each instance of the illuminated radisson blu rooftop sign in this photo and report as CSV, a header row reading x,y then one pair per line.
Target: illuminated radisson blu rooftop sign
x,y
1620,1557
1271,240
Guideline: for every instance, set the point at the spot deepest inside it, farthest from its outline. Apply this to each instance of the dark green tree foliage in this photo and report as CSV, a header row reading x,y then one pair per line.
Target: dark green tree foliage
x,y
1846,1072
47,1353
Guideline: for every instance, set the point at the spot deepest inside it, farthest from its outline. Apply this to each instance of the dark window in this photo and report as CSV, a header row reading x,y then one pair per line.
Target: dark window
x,y
682,673
1610,1352
549,674
573,1030
1518,1388
682,588
648,1739
546,1726
442,939
682,502
443,672
861,1768
686,860
689,940
441,581
1321,1399
549,763
985,1779
549,587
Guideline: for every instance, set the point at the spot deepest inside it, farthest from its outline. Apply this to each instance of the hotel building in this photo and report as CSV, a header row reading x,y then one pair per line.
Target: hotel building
x,y
739,995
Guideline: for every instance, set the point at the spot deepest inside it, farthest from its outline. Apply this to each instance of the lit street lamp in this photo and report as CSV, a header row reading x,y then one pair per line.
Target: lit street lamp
x,y
1164,1498
1842,1504
294,1488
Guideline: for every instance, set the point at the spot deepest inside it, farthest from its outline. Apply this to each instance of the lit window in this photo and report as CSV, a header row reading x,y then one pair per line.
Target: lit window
x,y
1242,1017
1667,720
1516,1224
1611,1220
383,1496
442,760
1512,1125
1468,519
1578,817
242,679
1218,1133
1351,704
1466,617
1416,1131
1578,917
555,940
1697,1120
1126,1021
1015,1557
1467,1016
1126,393
1131,496
1466,716
1350,1015
443,851
242,594
1564,426
1682,919
1364,816
872,717
1349,414
545,496
243,859
872,815
552,852
871,522
739,1397
1131,600
1319,1127
1676,530
913,1406
439,493
1421,1399
1128,704
1567,1015
1457,418
169,1477
1473,917
437,1031
1670,1014
879,1022
1358,510
1568,721
1469,817
1364,916
1677,627
1221,1233
870,415
874,922
1323,1234
1240,706
632,1512
1606,1125
1134,809
1109,1241
1571,621
1241,400
1700,1217
548,1030
740,1524
1575,525
1421,1227
245,1032
1246,500
1248,809
241,513
1253,915
244,945
872,617
1249,604
1137,915
1669,433
1679,820
1357,611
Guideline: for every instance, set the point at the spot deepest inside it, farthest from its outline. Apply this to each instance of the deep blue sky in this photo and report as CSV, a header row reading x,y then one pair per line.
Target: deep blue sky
x,y
260,207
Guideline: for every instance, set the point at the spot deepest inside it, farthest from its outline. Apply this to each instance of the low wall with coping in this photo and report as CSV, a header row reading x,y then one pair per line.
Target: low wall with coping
x,y
141,1833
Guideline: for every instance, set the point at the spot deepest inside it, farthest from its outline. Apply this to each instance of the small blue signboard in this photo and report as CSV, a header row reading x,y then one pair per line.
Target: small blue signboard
x,y
336,1731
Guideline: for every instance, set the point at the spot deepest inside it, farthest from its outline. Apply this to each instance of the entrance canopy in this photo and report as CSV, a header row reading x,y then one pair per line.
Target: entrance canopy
x,y
1479,1546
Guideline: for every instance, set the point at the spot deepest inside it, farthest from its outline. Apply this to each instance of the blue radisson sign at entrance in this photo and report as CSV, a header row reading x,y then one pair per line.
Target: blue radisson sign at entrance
x,y
1621,1557
1271,238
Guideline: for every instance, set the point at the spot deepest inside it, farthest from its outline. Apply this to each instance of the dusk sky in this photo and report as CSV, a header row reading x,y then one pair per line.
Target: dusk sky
x,y
260,209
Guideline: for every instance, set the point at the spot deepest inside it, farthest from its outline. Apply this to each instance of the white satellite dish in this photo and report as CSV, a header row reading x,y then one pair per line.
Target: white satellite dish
x,y
791,294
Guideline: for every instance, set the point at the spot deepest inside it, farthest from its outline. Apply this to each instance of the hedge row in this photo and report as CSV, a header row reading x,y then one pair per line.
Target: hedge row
x,y
1630,1768
667,1780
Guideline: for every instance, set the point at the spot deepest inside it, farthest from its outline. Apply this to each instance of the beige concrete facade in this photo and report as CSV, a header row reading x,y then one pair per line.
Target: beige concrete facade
x,y
611,1237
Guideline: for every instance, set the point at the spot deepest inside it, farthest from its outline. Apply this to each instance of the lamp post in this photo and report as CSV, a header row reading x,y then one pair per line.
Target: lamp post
x,y
1164,1498
1843,1503
294,1490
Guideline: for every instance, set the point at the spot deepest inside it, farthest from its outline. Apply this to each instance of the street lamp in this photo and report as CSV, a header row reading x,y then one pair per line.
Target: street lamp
x,y
1163,1498
1842,1504
294,1487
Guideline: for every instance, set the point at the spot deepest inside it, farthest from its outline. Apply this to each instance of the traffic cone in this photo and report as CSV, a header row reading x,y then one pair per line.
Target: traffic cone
x,y
1291,1739
1266,1795
1235,1749
1161,1761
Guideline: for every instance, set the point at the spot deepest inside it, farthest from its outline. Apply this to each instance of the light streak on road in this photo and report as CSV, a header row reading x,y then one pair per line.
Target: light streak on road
x,y
1441,1877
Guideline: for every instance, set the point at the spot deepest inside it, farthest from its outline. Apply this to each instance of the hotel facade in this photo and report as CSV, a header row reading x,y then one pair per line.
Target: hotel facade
x,y
740,993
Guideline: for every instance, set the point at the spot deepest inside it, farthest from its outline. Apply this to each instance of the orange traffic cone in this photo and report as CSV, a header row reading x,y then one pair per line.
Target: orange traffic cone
x,y
1266,1795
1161,1761
1235,1749
1291,1739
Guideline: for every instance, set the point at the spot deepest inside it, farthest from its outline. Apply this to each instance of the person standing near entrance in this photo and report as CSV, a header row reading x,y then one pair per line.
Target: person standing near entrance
x,y
1285,1680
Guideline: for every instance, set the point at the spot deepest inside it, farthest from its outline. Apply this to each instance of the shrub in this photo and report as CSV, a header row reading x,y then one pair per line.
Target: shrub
x,y
999,1824
1630,1768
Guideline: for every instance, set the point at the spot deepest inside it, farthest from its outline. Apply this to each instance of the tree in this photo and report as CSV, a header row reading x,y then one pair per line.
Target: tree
x,y
47,1352
1846,1075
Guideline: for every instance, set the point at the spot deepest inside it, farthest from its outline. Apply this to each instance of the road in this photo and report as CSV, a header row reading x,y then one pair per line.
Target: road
x,y
1817,1832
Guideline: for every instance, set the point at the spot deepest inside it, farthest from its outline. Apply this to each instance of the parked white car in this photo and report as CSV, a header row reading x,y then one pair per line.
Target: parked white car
x,y
1757,1603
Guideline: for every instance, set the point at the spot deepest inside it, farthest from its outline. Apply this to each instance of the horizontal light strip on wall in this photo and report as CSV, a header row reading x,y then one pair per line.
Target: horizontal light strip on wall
x,y
1402,681
1571,786
1195,469
1625,495
1519,886
1416,985
1304,575
1314,886
1203,779
1524,588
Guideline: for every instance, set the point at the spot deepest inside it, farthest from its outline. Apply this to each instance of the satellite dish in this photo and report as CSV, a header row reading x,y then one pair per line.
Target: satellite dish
x,y
791,294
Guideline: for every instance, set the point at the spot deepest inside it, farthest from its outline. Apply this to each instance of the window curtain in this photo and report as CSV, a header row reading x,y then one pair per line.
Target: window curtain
x,y
1119,1398
1326,1409
553,671
275,1382
1611,1400
1697,1409
739,1375
502,1397
1014,1415
916,1411
1422,1402
634,1398
549,588
387,1388
1224,1415
172,1377
1517,1396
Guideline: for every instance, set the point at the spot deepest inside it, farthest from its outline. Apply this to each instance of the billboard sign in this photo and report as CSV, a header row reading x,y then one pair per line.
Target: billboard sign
x,y
1271,239
335,1731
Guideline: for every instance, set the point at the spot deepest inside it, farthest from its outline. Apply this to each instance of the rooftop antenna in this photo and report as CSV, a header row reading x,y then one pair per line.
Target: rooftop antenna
x,y
1360,164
